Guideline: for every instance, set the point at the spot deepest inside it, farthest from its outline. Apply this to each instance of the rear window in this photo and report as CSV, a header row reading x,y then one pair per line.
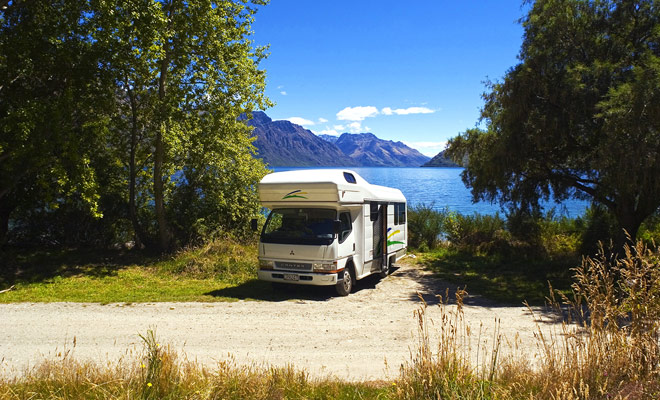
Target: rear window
x,y
350,178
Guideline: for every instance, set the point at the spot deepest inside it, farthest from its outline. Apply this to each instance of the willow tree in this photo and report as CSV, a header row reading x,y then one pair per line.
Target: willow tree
x,y
579,116
186,71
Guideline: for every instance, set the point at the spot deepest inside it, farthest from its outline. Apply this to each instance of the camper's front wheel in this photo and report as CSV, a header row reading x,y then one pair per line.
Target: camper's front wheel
x,y
345,285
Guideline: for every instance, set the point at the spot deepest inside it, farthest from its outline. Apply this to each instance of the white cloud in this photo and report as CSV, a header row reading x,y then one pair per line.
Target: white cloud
x,y
322,120
300,121
338,127
355,127
330,132
407,111
283,93
427,148
357,113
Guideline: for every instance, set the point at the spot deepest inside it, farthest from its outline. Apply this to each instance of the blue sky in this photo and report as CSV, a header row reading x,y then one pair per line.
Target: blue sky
x,y
411,70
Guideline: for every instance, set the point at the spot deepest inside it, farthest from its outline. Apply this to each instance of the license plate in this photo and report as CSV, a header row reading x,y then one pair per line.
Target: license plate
x,y
291,277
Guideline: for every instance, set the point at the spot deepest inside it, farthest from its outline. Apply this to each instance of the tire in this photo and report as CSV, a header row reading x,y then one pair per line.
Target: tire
x,y
345,286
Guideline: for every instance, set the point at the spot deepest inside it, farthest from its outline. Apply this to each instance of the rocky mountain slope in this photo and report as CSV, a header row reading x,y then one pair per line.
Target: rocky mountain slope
x,y
370,151
285,144
282,143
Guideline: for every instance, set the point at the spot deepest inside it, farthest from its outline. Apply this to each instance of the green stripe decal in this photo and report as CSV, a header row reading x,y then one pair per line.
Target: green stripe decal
x,y
296,194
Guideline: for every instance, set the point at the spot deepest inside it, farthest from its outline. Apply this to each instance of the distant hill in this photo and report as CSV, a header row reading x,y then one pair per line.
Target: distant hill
x,y
370,151
440,161
284,144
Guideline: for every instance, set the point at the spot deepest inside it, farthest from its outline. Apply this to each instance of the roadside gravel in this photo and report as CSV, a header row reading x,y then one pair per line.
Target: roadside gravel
x,y
365,336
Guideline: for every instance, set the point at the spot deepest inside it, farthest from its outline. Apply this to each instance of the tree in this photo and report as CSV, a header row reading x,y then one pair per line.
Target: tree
x,y
132,106
578,117
186,71
51,107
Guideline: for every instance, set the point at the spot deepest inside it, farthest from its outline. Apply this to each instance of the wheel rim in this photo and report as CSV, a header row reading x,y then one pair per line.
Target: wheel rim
x,y
347,280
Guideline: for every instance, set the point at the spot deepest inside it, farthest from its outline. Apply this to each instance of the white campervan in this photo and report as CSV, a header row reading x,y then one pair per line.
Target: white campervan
x,y
329,227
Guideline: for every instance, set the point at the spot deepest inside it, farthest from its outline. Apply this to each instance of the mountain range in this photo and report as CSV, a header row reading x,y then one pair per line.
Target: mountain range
x,y
283,143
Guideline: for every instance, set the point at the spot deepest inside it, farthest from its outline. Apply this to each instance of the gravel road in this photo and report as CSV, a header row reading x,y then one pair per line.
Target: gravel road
x,y
364,336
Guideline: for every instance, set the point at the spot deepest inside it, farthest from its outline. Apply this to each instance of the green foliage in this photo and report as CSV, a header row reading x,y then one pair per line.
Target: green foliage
x,y
578,116
473,230
130,112
425,225
53,105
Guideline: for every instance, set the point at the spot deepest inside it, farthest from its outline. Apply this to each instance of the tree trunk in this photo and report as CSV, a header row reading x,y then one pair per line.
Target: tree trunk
x,y
163,230
164,237
5,211
132,209
629,222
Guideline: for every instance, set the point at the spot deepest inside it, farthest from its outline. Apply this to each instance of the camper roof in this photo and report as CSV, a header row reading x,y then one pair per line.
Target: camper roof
x,y
322,186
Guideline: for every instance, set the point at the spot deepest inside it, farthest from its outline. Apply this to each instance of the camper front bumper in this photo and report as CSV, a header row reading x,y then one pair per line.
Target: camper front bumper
x,y
298,278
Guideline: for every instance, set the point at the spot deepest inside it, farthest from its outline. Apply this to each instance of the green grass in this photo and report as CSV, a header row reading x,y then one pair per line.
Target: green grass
x,y
222,270
496,278
225,270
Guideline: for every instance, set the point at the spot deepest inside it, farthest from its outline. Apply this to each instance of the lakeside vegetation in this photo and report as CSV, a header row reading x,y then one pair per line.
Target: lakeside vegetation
x,y
511,259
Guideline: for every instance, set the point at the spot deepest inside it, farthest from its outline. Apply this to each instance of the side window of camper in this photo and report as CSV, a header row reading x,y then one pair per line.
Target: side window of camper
x,y
399,213
396,214
373,211
346,226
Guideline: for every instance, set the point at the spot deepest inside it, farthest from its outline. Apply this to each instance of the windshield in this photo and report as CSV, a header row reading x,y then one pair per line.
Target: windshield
x,y
299,226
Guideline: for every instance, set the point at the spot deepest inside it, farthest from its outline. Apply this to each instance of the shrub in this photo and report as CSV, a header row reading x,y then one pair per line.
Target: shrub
x,y
472,230
425,225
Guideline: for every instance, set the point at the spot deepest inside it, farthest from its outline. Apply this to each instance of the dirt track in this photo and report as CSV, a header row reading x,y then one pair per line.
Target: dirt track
x,y
366,335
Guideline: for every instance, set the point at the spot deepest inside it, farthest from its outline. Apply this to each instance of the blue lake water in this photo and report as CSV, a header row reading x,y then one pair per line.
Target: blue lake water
x,y
443,188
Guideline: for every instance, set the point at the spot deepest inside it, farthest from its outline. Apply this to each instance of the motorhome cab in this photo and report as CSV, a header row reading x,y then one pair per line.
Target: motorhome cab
x,y
329,227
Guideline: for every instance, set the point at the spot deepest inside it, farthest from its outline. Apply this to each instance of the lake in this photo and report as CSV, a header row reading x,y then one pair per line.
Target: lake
x,y
441,187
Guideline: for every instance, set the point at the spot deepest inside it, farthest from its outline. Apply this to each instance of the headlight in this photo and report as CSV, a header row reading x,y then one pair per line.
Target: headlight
x,y
323,267
266,264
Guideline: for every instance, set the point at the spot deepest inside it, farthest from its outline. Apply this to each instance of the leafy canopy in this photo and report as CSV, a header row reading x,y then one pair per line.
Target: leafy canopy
x,y
579,116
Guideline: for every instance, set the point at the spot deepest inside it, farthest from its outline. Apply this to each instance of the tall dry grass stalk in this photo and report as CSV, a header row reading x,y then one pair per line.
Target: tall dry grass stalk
x,y
606,347
608,344
446,369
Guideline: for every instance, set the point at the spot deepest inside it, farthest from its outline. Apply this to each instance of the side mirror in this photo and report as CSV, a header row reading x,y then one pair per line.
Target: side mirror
x,y
253,224
336,227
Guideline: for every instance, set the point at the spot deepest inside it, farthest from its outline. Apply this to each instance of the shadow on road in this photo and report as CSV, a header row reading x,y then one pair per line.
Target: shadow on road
x,y
267,291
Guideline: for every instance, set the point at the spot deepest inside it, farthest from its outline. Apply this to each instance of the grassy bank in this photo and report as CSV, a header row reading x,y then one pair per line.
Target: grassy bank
x,y
221,270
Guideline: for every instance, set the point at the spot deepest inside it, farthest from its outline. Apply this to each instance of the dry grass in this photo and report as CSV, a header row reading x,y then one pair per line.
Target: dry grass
x,y
613,349
159,373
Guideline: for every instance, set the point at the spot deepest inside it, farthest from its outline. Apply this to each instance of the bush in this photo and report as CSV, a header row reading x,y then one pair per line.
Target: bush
x,y
425,225
473,230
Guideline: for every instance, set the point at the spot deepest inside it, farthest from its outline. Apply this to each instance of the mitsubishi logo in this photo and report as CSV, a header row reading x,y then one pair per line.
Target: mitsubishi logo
x,y
292,253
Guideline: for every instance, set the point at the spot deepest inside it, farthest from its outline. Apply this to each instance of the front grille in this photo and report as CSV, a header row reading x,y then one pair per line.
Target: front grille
x,y
290,266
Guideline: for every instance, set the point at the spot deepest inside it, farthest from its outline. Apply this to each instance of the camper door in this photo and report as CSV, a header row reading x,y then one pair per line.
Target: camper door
x,y
378,219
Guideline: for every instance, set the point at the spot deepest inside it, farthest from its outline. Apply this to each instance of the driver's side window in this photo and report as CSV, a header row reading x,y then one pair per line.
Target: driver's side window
x,y
346,226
